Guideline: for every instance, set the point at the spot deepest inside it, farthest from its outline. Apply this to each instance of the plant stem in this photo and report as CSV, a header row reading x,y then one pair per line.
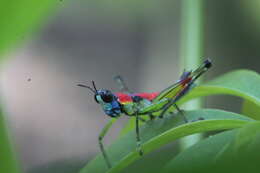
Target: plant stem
x,y
192,43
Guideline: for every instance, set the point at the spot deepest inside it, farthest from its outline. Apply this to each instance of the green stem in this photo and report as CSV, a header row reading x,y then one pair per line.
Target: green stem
x,y
192,43
8,162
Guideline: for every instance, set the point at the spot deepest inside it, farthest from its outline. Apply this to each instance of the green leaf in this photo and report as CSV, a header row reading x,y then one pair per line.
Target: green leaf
x,y
243,150
232,151
201,156
17,19
251,110
241,83
242,141
155,161
8,162
20,17
159,132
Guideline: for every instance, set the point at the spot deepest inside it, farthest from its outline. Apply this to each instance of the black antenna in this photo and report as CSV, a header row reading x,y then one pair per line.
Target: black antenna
x,y
94,86
91,89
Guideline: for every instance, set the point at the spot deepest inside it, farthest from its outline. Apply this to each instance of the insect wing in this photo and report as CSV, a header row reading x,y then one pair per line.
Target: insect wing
x,y
121,84
169,92
185,83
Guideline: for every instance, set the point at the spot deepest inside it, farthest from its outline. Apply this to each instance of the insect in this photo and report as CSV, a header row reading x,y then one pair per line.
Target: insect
x,y
143,104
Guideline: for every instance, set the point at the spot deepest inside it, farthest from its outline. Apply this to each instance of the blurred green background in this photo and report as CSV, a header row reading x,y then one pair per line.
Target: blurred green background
x,y
57,44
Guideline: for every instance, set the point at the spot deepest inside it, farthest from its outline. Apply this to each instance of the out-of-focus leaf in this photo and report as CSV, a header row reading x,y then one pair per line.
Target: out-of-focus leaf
x,y
242,153
8,162
159,132
233,151
241,83
20,17
17,19
242,141
68,165
251,110
155,161
200,156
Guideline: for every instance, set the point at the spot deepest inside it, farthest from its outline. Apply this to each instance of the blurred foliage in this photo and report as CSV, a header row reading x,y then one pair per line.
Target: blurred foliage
x,y
64,166
8,162
18,18
250,109
201,155
231,151
252,14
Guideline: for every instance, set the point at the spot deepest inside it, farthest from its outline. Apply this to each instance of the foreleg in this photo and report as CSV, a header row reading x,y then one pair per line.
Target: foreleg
x,y
100,140
138,139
181,112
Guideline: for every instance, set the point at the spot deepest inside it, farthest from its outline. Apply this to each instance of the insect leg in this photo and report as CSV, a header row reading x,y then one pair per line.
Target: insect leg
x,y
177,97
181,112
138,139
151,116
100,140
162,105
164,109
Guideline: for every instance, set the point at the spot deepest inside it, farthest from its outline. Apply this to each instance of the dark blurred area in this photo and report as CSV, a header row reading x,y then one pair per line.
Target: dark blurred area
x,y
54,122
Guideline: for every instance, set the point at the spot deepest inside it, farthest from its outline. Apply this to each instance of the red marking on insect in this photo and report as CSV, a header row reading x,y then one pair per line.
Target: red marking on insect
x,y
123,98
185,81
148,96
